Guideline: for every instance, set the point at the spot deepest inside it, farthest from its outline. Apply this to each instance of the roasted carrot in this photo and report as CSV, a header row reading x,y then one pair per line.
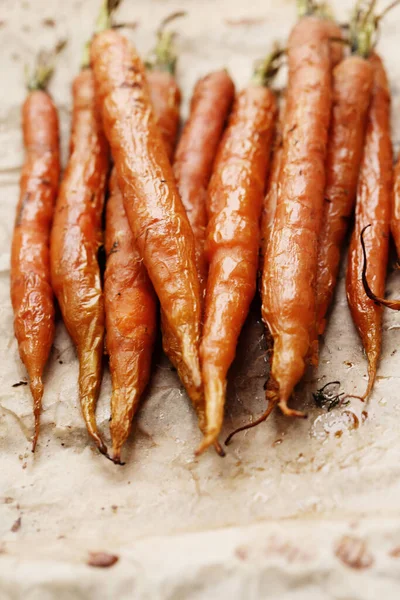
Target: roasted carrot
x,y
31,293
290,266
131,318
352,84
395,220
234,204
151,199
374,196
271,196
129,297
164,90
77,236
211,101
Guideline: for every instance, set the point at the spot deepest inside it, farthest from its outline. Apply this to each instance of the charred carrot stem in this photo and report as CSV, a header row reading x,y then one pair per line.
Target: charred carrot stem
x,y
352,85
151,199
290,266
393,304
210,105
373,206
234,205
31,293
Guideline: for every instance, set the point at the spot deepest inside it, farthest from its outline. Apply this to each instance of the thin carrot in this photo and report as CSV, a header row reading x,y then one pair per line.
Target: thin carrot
x,y
129,297
151,199
131,319
290,267
31,293
234,204
164,90
352,84
272,193
211,101
76,238
373,206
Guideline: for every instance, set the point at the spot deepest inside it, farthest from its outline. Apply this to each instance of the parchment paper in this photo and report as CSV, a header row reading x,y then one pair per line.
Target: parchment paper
x,y
296,510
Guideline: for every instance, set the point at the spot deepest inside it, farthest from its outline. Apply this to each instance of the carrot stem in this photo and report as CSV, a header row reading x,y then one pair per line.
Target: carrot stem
x,y
104,21
44,68
265,70
163,56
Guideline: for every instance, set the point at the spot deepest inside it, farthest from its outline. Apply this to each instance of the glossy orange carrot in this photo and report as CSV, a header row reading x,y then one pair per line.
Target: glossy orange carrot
x,y
395,220
151,199
131,318
271,195
130,301
75,240
352,84
290,267
211,101
164,90
31,293
374,197
234,205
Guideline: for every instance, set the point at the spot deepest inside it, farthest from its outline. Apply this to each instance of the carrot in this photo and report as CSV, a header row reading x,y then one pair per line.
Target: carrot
x,y
234,204
211,101
151,200
352,84
130,301
77,236
373,207
131,318
271,196
395,220
290,267
31,293
164,90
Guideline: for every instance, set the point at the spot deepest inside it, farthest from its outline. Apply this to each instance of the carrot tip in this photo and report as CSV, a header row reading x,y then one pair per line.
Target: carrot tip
x,y
208,440
291,412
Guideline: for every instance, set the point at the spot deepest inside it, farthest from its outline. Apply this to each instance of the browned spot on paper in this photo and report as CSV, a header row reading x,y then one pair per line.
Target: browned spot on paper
x,y
364,416
49,22
8,500
102,559
277,442
353,552
288,550
395,552
244,21
352,419
16,525
242,553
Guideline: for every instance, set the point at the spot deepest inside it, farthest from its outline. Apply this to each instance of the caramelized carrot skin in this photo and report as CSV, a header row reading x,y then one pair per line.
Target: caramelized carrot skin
x,y
352,84
395,219
271,195
166,99
75,240
31,292
234,205
151,199
374,198
290,269
211,101
131,317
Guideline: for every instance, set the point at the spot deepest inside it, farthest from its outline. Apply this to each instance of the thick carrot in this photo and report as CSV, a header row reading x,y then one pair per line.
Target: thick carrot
x,y
130,301
131,318
290,267
31,293
373,207
211,101
151,199
234,205
75,240
352,84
